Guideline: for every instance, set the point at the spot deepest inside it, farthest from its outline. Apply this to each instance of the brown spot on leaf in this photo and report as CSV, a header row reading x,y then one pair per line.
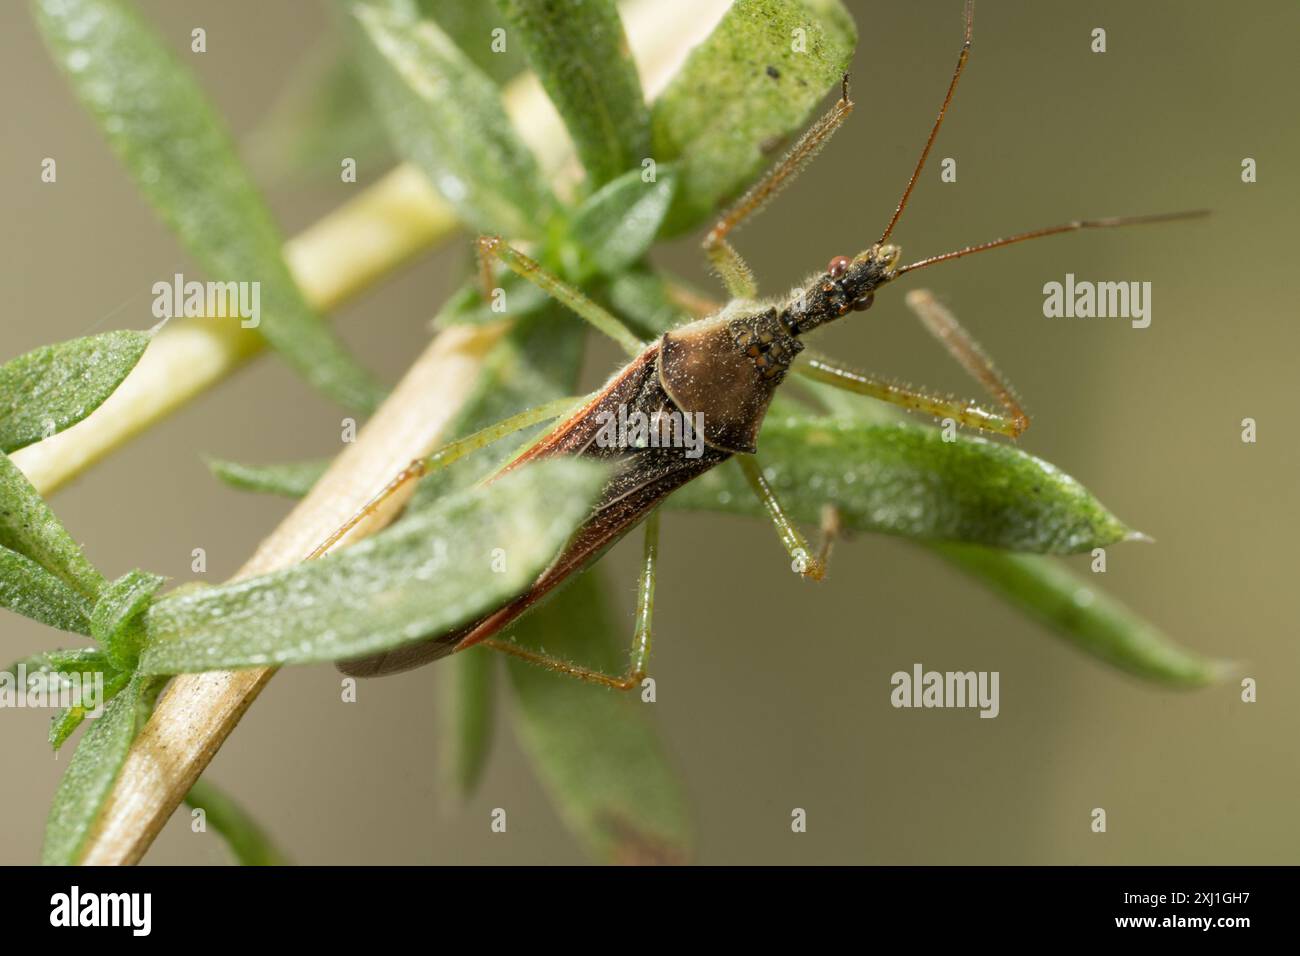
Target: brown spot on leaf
x,y
635,847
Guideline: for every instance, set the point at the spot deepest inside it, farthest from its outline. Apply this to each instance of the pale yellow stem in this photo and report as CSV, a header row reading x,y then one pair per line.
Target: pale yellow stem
x,y
199,710
333,260
347,251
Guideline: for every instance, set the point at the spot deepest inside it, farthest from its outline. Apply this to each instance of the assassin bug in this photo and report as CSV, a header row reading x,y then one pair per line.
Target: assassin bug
x,y
726,367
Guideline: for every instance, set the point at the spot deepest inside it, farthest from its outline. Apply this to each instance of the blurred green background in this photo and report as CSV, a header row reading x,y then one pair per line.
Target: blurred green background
x,y
774,693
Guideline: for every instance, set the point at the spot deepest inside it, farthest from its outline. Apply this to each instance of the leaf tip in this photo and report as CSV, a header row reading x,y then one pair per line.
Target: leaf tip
x,y
1220,670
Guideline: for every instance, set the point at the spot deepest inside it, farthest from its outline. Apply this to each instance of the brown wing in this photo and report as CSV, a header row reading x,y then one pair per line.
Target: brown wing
x,y
642,478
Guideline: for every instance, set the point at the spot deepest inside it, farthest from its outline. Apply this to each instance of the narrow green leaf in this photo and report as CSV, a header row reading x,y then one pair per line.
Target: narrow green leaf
x,y
292,480
28,526
466,306
70,659
69,718
427,574
325,111
248,841
906,480
56,386
67,672
1089,619
93,768
446,116
579,51
163,128
466,685
470,25
30,590
117,621
743,91
322,113
616,226
596,750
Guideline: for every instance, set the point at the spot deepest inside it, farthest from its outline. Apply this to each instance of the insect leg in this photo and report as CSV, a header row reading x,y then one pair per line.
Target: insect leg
x,y
942,324
443,457
638,657
961,410
830,529
735,274
603,320
734,271
801,558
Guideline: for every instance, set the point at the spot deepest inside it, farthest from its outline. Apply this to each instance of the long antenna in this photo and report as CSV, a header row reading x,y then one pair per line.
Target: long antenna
x,y
934,131
1054,230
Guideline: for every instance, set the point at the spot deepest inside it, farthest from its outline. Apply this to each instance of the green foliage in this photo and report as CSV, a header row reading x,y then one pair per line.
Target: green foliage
x,y
742,92
578,50
323,112
615,227
640,295
466,306
57,669
326,112
470,25
1091,620
30,590
118,619
29,527
423,576
69,718
56,386
595,749
163,128
248,842
607,234
466,694
906,480
537,361
430,74
1088,619
446,116
93,768
292,480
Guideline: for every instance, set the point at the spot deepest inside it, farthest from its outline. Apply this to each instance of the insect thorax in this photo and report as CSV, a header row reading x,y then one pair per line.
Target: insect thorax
x,y
728,366
766,341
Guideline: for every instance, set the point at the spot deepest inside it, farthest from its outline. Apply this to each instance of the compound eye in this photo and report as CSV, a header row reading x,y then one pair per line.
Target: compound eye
x,y
862,303
838,266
